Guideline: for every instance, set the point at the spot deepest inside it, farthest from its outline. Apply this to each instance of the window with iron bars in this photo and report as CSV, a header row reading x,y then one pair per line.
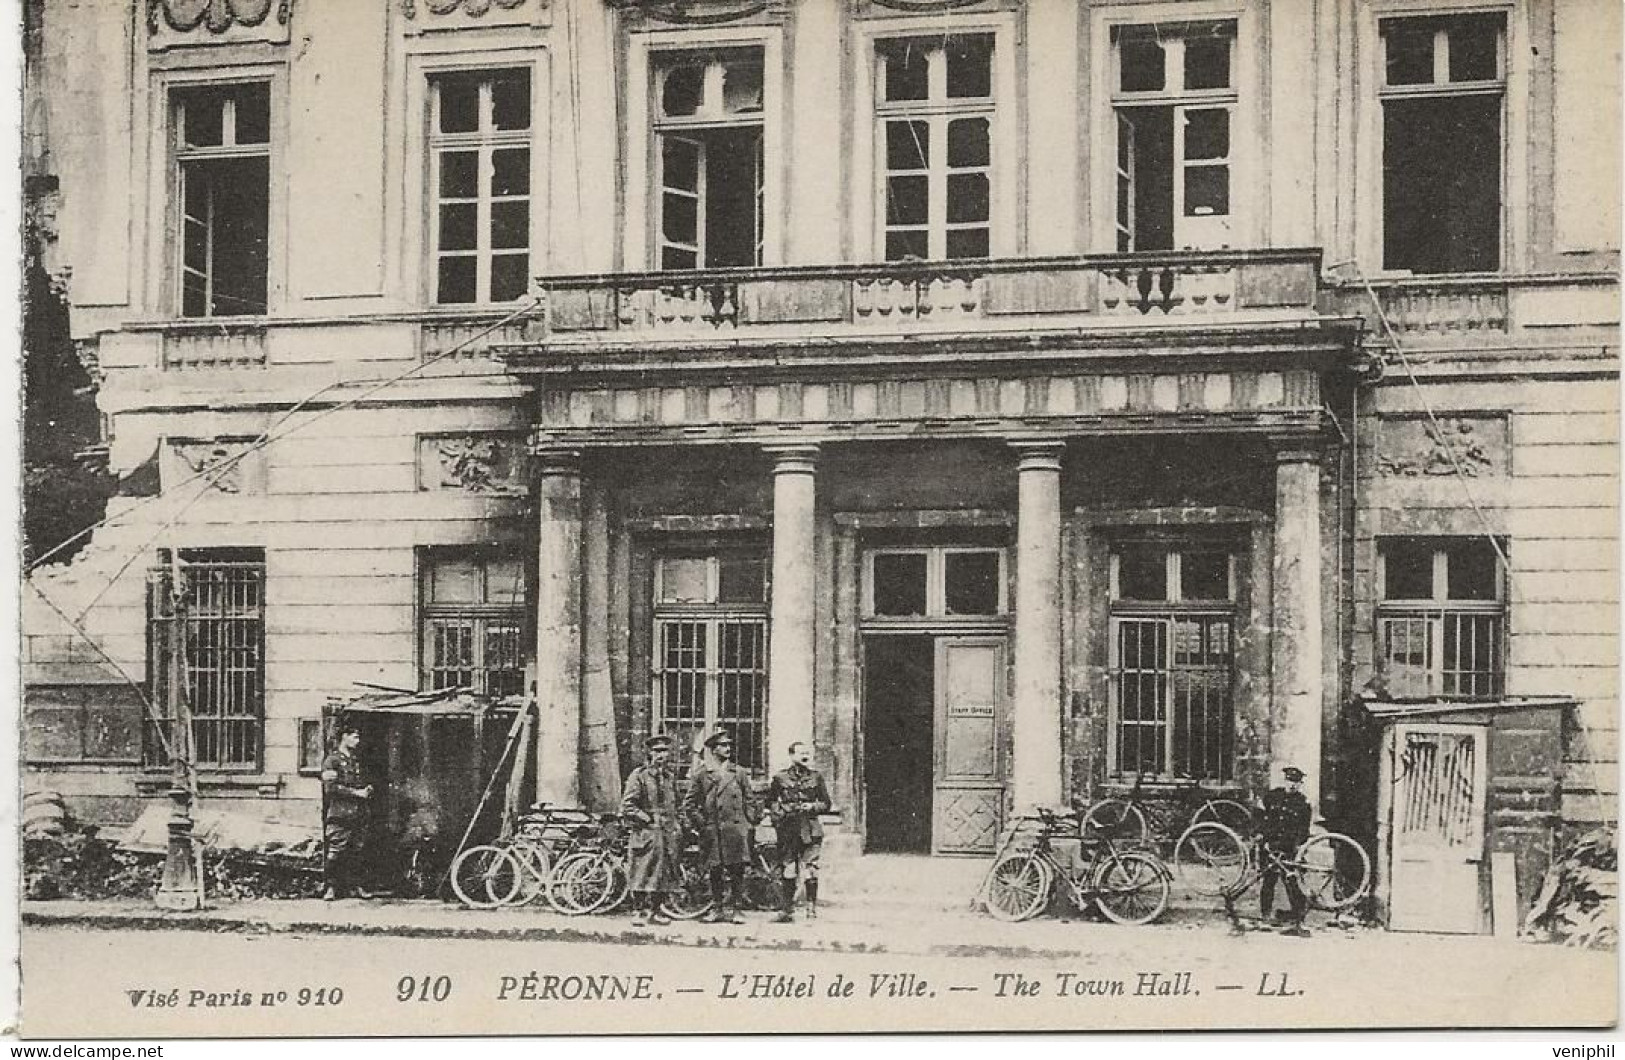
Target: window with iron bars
x,y
710,664
1442,619
1172,661
473,622
206,645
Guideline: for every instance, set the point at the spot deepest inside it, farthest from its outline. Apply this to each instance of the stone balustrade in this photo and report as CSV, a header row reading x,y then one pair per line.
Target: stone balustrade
x,y
214,345
470,337
915,296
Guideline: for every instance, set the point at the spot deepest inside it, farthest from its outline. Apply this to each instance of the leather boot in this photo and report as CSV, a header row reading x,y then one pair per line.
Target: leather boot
x,y
812,899
787,902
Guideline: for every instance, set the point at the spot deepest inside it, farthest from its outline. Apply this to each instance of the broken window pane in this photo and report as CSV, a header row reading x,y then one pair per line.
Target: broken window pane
x,y
1472,571
906,199
510,171
899,583
1408,44
971,582
1204,576
1207,134
906,70
510,276
203,118
1142,573
459,174
1207,62
741,579
1142,61
908,145
459,104
1474,43
1407,571
970,67
455,581
1207,191
510,100
253,118
682,91
742,87
902,246
1442,184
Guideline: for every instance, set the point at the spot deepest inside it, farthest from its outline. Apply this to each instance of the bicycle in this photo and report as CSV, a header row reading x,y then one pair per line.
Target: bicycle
x,y
693,897
1331,869
595,879
520,869
1123,815
1127,886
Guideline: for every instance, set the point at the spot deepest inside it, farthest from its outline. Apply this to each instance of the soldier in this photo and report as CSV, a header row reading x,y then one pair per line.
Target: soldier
x,y
346,796
1284,828
650,803
722,809
795,798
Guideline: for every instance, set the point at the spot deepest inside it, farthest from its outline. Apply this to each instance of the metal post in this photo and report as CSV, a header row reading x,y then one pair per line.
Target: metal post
x,y
181,887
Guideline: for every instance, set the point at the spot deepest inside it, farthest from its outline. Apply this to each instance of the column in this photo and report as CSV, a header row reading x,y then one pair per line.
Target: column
x,y
558,628
1295,641
1036,710
791,640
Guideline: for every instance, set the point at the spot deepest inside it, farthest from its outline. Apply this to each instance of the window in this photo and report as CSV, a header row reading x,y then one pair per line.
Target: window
x,y
708,154
942,582
935,117
1442,618
710,664
206,642
1172,664
1443,85
1175,105
480,145
473,622
223,161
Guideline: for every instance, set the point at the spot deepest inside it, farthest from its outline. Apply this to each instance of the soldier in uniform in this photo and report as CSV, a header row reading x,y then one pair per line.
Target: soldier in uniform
x,y
650,803
1284,827
795,798
345,796
722,808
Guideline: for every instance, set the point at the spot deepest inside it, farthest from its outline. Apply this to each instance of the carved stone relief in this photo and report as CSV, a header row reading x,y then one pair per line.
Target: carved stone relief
x,y
471,8
226,465
490,464
217,16
699,12
1411,447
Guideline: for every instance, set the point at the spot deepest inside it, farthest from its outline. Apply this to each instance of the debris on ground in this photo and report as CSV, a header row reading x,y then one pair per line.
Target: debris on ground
x,y
75,861
1578,902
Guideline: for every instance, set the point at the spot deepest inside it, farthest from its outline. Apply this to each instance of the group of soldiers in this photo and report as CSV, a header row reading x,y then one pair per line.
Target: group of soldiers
x,y
723,810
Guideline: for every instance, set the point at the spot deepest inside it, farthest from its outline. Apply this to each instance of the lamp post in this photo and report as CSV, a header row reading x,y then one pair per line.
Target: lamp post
x,y
181,887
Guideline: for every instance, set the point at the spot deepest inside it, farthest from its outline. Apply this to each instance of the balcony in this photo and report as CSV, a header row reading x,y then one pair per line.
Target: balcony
x,y
1122,291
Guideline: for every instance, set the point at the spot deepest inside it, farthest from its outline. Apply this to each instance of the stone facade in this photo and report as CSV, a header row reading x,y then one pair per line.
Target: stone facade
x,y
1094,498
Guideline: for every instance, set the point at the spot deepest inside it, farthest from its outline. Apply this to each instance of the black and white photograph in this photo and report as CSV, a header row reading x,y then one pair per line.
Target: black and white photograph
x,y
667,517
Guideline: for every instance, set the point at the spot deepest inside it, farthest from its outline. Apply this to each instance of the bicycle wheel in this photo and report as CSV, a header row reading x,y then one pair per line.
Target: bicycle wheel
x,y
1210,859
1228,812
1018,887
1333,870
762,882
535,869
1131,888
484,877
692,897
1118,818
620,886
578,883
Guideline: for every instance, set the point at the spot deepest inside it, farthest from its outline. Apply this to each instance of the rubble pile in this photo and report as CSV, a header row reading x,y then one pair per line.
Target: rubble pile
x,y
1578,903
76,862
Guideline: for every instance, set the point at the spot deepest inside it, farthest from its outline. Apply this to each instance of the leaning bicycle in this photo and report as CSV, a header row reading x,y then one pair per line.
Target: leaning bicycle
x,y
1124,816
1331,869
1127,886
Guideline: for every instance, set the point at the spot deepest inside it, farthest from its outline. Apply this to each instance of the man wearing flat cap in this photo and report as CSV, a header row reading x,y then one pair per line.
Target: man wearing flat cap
x,y
649,803
1284,827
722,808
346,796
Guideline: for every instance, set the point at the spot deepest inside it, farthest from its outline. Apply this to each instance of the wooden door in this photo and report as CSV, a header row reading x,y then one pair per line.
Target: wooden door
x,y
970,763
1436,844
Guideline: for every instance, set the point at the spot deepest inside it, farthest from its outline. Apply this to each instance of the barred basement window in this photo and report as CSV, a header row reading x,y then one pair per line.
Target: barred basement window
x,y
1172,661
935,111
223,163
480,143
1175,103
473,622
1442,618
206,643
1443,86
708,154
710,664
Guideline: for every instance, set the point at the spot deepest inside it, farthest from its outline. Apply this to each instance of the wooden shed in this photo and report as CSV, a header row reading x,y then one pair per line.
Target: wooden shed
x,y
1468,807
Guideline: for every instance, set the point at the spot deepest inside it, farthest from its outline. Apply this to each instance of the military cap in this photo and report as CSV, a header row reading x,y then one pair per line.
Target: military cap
x,y
1292,773
657,742
719,736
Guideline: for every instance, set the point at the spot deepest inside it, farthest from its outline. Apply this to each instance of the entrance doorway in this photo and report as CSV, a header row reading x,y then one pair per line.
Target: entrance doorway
x,y
933,718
